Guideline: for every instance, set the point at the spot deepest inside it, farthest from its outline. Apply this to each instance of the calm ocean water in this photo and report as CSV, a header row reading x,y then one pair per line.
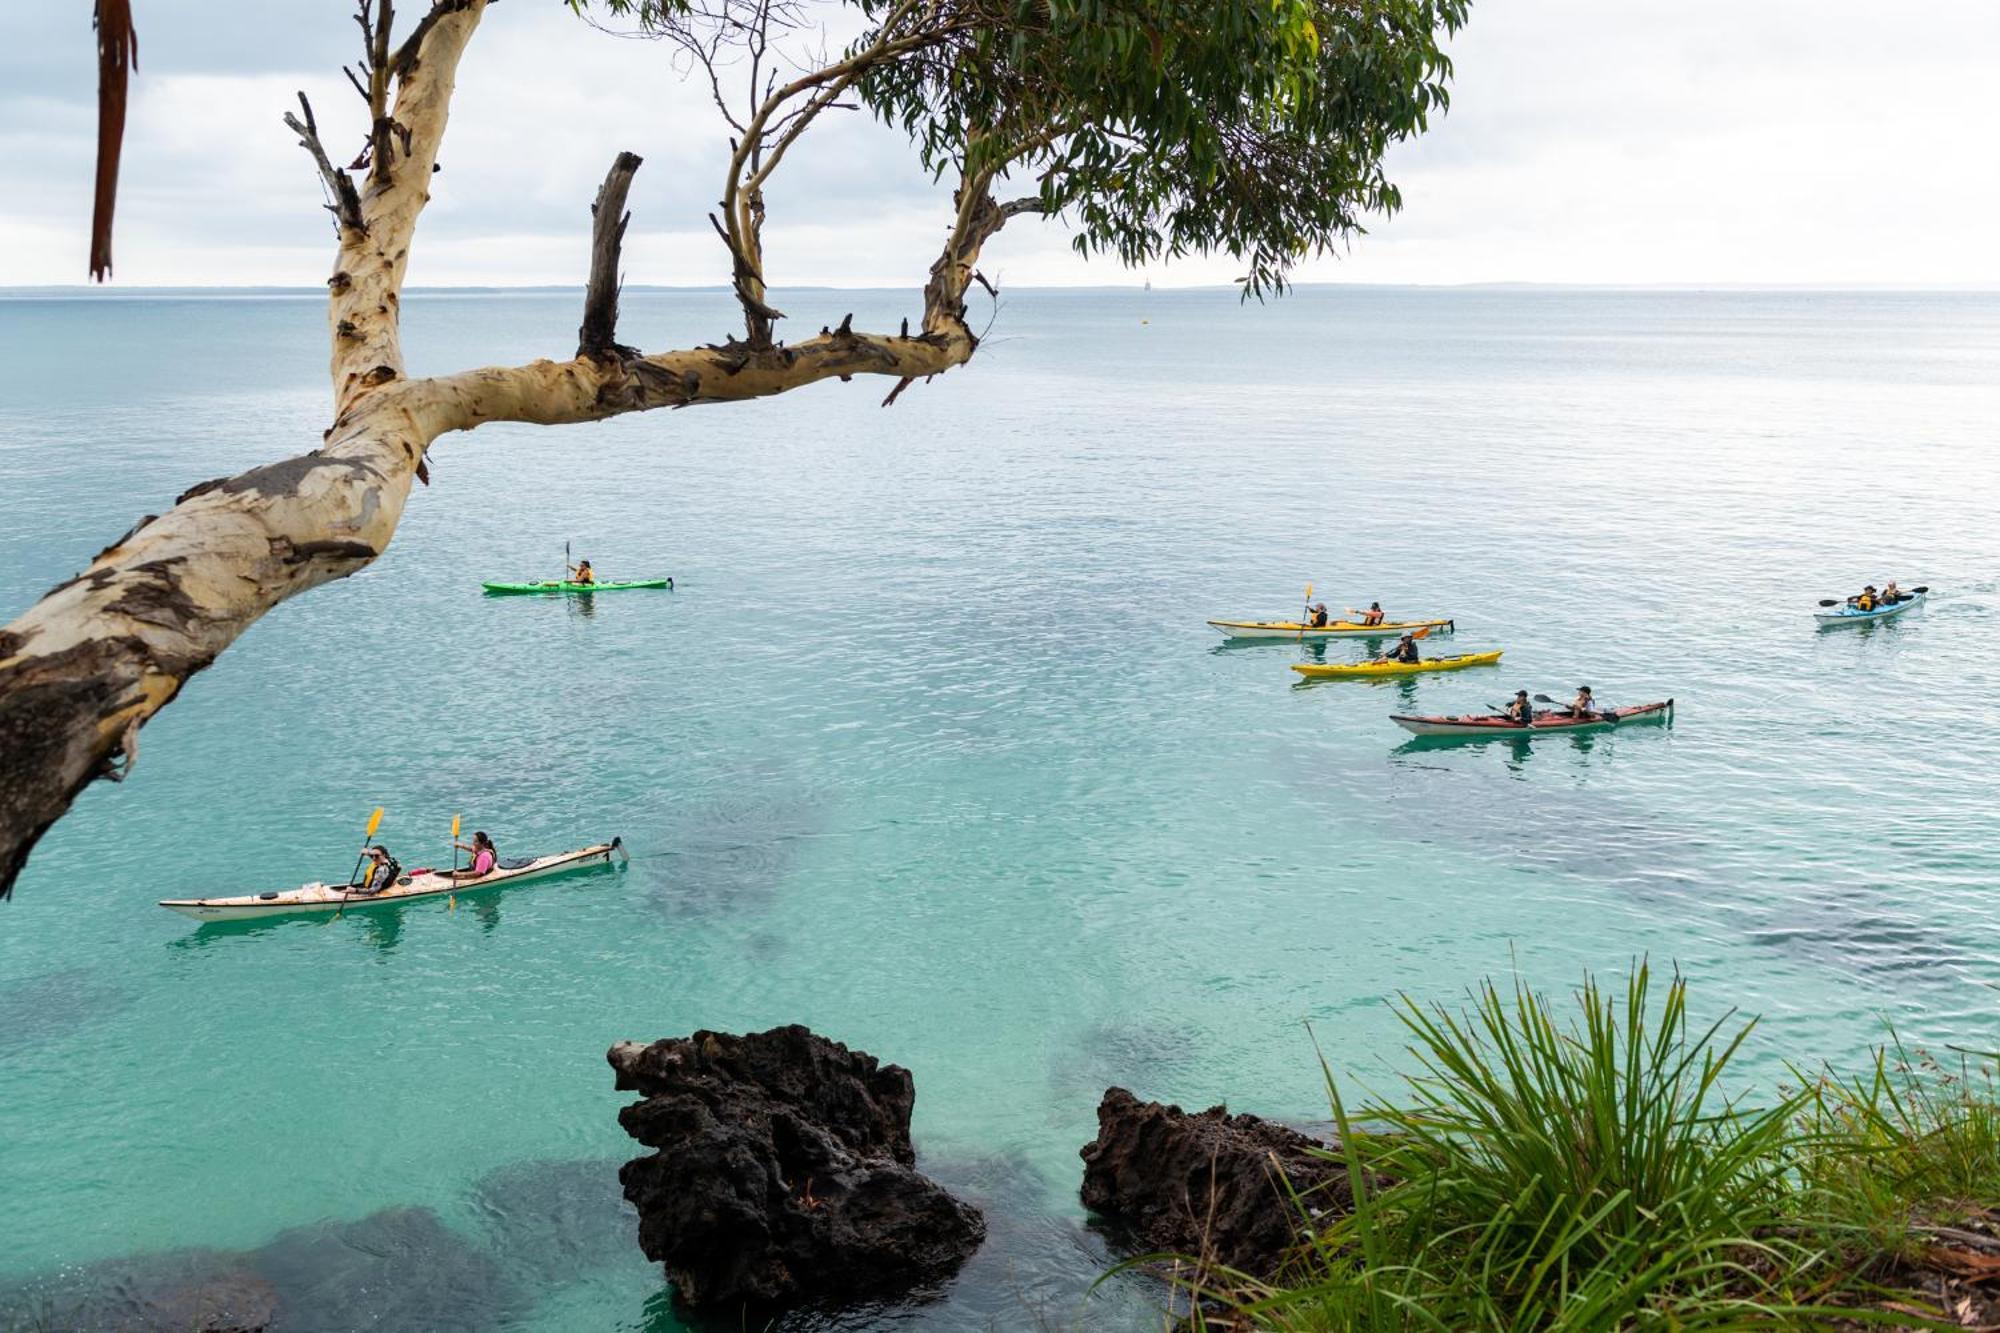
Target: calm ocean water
x,y
932,751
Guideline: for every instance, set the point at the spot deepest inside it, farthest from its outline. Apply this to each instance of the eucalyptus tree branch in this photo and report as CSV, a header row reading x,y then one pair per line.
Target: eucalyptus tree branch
x,y
85,667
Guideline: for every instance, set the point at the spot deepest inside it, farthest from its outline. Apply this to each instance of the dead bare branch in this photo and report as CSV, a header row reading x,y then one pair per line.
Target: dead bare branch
x,y
597,338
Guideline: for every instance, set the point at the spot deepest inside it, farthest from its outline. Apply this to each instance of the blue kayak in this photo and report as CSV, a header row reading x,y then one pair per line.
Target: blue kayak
x,y
1846,614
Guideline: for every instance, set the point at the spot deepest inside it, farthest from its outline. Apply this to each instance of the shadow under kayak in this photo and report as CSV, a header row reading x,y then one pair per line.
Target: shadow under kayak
x,y
1847,615
1352,670
1339,629
322,899
554,587
1492,725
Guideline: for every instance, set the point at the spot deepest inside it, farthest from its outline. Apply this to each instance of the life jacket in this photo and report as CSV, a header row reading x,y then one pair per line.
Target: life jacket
x,y
1865,602
585,574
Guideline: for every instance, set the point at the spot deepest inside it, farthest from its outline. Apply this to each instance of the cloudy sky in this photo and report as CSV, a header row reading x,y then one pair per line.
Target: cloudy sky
x,y
1835,142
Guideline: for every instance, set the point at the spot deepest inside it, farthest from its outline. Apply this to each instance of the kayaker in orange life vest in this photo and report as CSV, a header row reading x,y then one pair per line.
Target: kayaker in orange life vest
x,y
1866,601
582,573
1318,618
1372,616
1404,651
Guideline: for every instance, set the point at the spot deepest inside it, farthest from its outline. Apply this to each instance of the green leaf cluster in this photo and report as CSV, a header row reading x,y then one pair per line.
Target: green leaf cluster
x,y
1163,128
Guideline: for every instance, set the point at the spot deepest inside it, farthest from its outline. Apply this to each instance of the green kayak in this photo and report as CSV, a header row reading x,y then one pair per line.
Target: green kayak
x,y
578,587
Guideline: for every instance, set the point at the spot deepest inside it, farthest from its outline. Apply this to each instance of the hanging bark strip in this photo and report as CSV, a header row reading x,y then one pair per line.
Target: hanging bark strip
x,y
117,57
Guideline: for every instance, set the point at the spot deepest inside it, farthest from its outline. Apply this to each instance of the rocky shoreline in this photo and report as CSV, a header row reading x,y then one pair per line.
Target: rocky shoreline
x,y
783,1176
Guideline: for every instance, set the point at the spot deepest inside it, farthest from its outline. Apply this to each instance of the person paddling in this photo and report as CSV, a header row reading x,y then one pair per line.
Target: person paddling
x,y
1318,618
483,853
1866,601
1583,706
581,572
1522,711
383,871
1372,616
1891,594
1404,651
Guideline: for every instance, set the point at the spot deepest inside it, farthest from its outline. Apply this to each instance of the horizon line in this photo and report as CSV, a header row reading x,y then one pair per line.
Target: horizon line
x,y
92,290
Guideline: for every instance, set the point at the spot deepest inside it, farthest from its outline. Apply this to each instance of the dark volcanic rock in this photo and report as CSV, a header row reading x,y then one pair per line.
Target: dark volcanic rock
x,y
1214,1184
784,1174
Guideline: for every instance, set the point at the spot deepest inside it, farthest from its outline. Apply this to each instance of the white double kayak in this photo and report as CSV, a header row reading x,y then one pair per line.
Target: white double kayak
x,y
1851,615
1296,632
318,899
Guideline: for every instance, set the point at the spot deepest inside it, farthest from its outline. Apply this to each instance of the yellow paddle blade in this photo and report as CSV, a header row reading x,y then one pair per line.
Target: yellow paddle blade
x,y
1309,592
375,821
451,903
454,826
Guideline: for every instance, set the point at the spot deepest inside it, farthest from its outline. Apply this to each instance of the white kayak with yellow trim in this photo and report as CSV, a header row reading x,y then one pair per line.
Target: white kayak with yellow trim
x,y
1296,632
320,899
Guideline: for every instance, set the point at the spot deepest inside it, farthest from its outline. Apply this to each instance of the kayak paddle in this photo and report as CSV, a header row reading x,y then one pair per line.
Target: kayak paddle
x,y
1602,716
451,902
374,822
1305,617
1835,601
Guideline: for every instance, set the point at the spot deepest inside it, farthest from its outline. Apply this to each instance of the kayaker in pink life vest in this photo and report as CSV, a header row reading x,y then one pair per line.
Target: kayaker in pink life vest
x,y
484,856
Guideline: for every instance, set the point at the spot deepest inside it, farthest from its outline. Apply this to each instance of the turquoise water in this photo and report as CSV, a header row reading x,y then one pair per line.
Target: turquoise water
x,y
931,750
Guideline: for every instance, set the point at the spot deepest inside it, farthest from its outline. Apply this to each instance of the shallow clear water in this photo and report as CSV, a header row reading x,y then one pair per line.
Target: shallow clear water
x,y
931,749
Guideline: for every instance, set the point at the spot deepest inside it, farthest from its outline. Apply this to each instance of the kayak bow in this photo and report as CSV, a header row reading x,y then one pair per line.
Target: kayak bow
x,y
318,899
1492,725
1338,629
1350,670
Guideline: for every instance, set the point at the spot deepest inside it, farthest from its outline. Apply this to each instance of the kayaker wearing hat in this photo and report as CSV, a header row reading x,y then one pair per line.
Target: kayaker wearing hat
x,y
382,872
1521,711
483,853
1404,651
1583,705
1866,601
582,573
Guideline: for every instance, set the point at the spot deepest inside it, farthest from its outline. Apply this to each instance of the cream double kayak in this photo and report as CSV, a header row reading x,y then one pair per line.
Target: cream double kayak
x,y
1338,670
317,899
1338,629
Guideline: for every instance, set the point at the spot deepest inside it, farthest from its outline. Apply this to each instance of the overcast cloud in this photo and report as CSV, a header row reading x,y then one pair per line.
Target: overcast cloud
x,y
1827,142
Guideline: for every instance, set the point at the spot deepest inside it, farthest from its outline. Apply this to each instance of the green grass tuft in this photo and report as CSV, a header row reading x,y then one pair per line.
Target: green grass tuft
x,y
1590,1170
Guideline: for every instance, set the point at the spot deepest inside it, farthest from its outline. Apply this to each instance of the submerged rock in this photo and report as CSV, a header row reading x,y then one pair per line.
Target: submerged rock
x,y
400,1268
784,1174
1214,1185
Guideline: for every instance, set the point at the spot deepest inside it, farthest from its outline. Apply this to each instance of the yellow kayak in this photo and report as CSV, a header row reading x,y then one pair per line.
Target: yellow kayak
x,y
1328,670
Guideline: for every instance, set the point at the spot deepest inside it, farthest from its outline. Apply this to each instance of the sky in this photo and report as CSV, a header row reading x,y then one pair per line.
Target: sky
x,y
1703,142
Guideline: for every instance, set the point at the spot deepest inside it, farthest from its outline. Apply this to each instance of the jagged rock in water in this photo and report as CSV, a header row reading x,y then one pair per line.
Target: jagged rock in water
x,y
1210,1184
784,1173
